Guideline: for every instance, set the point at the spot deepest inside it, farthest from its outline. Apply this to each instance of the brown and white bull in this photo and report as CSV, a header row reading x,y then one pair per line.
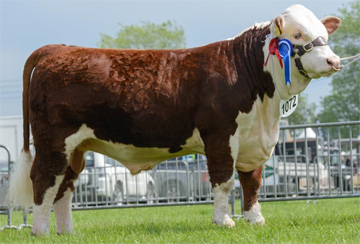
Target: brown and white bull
x,y
141,107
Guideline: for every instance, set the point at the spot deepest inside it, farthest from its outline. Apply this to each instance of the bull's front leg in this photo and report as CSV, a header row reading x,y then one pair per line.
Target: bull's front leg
x,y
221,172
251,182
221,203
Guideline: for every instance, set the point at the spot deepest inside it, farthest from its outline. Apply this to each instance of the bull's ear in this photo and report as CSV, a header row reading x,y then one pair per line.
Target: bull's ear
x,y
331,23
278,25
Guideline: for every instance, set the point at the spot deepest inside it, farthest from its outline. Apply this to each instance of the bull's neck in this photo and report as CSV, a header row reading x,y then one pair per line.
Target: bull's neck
x,y
249,60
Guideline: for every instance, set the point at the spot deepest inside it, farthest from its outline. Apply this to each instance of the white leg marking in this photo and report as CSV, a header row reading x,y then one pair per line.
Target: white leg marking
x,y
42,212
254,215
221,192
63,216
221,204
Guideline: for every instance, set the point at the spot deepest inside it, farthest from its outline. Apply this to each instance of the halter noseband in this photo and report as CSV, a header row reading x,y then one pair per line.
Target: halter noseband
x,y
302,49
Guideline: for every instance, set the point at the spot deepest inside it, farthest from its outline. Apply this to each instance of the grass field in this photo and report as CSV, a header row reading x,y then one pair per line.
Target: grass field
x,y
326,221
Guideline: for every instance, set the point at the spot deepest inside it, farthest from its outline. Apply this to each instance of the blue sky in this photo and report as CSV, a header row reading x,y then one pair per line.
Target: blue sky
x,y
28,25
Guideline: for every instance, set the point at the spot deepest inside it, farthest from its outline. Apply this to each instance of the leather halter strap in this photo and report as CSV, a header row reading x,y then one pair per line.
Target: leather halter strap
x,y
320,41
302,49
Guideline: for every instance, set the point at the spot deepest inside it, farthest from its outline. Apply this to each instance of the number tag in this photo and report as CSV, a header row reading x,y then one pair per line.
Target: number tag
x,y
287,107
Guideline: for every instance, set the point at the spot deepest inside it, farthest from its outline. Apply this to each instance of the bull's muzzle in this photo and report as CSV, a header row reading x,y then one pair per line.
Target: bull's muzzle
x,y
334,63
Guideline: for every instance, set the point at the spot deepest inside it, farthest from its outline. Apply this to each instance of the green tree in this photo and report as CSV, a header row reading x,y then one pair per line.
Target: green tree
x,y
167,35
344,102
304,113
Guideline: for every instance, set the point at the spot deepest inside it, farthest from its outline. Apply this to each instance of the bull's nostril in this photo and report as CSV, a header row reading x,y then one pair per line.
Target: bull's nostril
x,y
334,63
330,62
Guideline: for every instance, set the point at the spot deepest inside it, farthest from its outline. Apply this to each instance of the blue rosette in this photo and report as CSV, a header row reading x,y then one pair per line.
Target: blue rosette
x,y
285,50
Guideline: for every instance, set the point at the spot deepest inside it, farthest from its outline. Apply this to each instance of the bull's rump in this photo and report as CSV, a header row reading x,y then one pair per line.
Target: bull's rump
x,y
143,98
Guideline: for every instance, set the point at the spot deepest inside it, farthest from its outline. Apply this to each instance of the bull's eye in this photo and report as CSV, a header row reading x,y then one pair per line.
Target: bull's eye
x,y
297,35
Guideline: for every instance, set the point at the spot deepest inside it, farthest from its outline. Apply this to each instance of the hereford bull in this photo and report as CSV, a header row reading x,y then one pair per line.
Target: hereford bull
x,y
141,107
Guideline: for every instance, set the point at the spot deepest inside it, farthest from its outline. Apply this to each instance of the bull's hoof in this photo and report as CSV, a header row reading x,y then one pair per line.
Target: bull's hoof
x,y
254,215
260,220
67,232
39,234
226,221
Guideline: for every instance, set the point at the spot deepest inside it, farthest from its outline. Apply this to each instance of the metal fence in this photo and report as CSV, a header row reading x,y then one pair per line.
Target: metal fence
x,y
314,161
309,162
4,180
106,183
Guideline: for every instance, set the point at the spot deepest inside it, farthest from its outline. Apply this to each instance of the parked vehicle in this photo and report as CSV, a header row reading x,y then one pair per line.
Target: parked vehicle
x,y
105,180
182,178
301,168
341,173
301,176
289,178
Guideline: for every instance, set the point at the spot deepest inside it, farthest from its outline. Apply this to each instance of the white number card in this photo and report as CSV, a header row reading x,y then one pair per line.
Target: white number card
x,y
287,107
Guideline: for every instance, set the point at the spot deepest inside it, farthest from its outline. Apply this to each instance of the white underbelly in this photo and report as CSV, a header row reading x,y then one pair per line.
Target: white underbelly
x,y
133,158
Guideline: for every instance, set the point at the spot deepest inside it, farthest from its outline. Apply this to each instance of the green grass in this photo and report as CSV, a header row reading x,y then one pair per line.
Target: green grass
x,y
327,221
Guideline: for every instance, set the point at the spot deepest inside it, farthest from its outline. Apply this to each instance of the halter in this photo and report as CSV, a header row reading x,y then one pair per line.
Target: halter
x,y
302,49
289,49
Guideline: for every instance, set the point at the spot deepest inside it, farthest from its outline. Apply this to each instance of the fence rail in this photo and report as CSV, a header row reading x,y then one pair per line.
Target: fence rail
x,y
106,182
317,161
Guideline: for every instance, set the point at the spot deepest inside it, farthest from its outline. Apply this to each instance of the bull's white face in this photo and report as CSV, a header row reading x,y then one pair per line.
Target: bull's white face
x,y
300,26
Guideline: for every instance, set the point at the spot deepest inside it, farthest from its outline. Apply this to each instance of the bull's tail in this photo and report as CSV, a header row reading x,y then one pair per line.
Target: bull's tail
x,y
20,186
30,64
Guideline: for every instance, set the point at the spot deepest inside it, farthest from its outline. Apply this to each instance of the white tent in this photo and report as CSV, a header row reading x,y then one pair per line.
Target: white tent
x,y
310,133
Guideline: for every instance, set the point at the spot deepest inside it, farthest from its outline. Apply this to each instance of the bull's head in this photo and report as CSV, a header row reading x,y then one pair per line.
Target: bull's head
x,y
311,57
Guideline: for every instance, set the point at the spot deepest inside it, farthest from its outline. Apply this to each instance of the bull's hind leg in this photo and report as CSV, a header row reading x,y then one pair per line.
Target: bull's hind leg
x,y
47,175
62,205
221,171
251,182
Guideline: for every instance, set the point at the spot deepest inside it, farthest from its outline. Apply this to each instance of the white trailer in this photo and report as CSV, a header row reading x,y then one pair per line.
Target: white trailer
x,y
11,136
